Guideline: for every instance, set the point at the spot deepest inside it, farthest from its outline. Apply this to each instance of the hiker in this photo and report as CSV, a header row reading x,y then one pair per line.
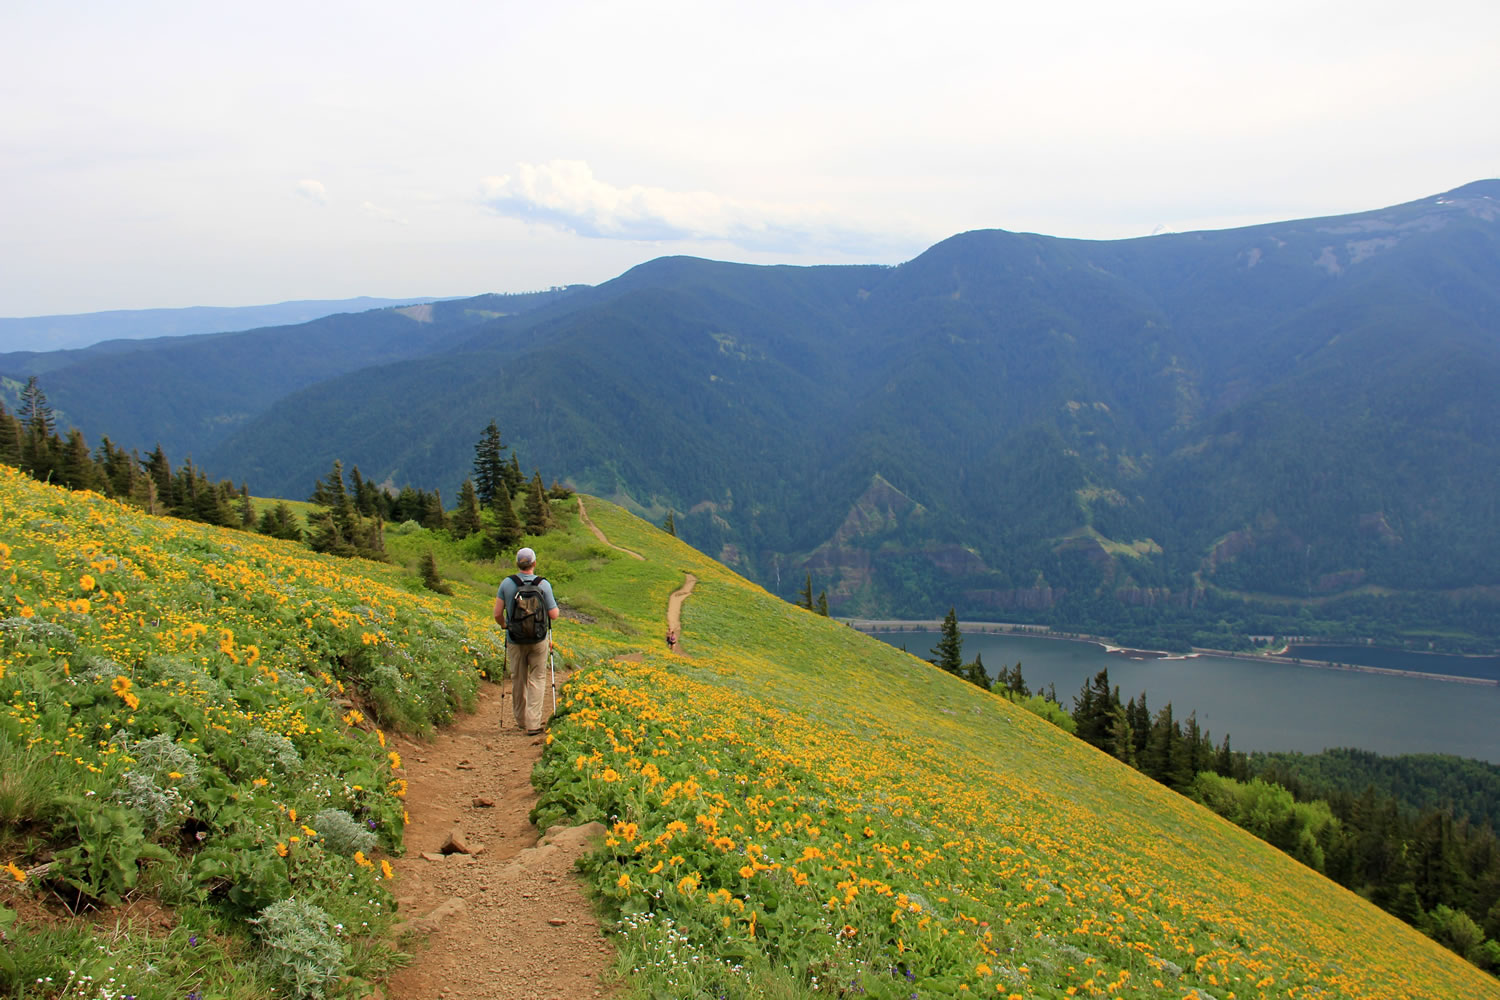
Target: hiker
x,y
525,608
671,640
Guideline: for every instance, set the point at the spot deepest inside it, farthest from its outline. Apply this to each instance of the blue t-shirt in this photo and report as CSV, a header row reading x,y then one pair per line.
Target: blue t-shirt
x,y
508,592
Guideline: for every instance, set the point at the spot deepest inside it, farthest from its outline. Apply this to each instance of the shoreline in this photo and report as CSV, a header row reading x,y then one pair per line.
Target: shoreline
x,y
873,626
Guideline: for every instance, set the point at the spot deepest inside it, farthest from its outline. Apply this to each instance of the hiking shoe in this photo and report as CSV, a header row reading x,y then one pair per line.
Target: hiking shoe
x,y
533,732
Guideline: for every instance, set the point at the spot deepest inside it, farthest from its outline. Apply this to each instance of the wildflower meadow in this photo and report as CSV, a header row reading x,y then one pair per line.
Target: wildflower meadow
x,y
196,717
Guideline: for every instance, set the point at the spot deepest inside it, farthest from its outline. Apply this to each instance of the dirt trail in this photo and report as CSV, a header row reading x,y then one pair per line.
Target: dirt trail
x,y
509,921
674,603
583,516
503,917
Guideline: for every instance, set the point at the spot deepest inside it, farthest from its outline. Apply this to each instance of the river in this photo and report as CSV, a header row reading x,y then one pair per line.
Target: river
x,y
1264,705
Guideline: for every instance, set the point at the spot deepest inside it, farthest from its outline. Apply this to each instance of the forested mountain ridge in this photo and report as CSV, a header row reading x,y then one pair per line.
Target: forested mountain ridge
x,y
193,390
1116,434
46,334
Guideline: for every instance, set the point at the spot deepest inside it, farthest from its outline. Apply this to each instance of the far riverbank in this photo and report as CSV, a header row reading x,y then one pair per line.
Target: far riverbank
x,y
1264,703
887,625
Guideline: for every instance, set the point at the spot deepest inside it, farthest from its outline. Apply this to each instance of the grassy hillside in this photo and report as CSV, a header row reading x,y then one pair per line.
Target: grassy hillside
x,y
796,809
193,719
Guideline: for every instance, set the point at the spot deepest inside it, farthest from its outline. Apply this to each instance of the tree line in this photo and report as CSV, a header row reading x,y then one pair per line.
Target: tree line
x,y
352,511
29,440
1437,872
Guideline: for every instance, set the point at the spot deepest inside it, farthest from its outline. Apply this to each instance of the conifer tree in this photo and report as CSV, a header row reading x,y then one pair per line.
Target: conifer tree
x,y
822,607
670,525
118,468
362,492
513,478
489,467
1093,711
280,522
1121,736
430,578
804,596
975,673
76,468
948,654
159,471
40,446
217,504
370,501
435,518
1012,680
35,413
507,530
185,491
1163,749
145,496
246,508
334,528
369,538
409,505
538,512
10,438
466,520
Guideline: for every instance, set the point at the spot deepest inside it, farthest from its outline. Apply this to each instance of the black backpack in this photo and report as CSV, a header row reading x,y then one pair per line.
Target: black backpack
x,y
528,621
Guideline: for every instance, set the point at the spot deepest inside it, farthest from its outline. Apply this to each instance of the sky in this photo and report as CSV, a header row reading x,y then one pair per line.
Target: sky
x,y
158,154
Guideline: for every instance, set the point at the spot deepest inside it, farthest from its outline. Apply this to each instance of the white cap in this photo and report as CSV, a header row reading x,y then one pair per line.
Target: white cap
x,y
525,557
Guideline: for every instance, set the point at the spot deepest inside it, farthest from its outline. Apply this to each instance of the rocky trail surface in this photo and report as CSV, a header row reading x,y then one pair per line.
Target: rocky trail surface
x,y
492,913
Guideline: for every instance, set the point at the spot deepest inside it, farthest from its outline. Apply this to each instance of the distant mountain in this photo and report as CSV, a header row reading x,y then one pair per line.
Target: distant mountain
x,y
1304,414
189,393
40,334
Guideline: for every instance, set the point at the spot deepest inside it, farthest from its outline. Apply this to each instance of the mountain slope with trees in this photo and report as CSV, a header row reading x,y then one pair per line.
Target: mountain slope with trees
x,y
1280,429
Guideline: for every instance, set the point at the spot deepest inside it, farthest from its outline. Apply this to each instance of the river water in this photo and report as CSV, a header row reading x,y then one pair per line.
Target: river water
x,y
1263,705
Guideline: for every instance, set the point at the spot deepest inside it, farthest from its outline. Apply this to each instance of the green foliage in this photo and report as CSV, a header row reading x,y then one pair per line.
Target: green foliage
x,y
145,751
538,512
1044,708
489,465
105,863
33,789
1469,789
948,654
431,579
1269,811
466,520
342,834
301,946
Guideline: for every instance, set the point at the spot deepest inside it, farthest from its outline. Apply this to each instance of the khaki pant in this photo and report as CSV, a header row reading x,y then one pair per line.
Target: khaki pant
x,y
528,672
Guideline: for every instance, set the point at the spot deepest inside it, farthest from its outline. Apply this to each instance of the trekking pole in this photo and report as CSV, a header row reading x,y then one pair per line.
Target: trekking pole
x,y
552,672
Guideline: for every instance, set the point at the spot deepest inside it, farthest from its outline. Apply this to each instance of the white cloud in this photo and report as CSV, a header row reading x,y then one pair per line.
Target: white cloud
x,y
313,191
566,194
375,211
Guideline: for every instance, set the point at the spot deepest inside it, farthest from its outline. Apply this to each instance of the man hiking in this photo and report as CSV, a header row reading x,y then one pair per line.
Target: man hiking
x,y
525,608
